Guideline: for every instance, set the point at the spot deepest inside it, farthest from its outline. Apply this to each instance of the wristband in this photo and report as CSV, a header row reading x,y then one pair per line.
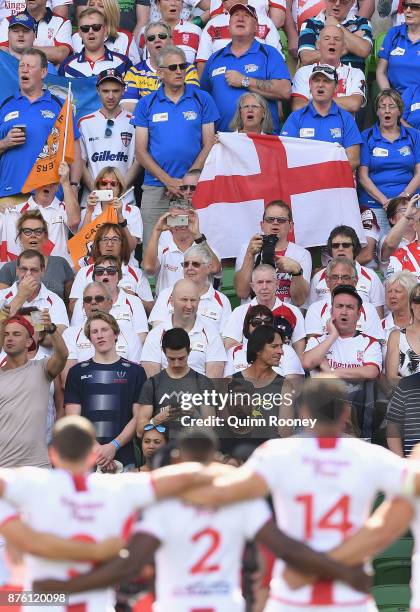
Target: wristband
x,y
201,239
123,223
115,443
74,184
51,329
300,273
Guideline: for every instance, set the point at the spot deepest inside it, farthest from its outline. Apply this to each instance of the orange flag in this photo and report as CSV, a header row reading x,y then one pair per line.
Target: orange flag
x,y
79,245
45,169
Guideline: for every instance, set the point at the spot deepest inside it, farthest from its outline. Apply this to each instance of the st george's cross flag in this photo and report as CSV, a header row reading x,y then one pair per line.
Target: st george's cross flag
x,y
244,172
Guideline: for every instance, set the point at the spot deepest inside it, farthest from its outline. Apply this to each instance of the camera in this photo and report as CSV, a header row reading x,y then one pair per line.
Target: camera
x,y
268,255
178,221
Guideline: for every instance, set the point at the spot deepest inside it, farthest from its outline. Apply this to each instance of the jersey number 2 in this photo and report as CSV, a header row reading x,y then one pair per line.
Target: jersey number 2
x,y
204,565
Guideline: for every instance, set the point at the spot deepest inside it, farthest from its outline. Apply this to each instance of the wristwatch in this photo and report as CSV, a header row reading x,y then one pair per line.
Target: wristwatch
x,y
298,273
51,329
74,184
123,223
200,240
245,81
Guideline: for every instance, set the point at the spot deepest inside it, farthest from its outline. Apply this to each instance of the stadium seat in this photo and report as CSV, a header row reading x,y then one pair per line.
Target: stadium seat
x,y
392,598
228,287
393,566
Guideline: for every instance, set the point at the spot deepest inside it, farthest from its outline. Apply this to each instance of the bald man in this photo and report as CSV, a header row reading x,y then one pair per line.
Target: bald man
x,y
207,354
351,91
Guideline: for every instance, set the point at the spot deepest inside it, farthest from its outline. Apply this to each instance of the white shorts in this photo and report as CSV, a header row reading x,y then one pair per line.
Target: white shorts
x,y
277,606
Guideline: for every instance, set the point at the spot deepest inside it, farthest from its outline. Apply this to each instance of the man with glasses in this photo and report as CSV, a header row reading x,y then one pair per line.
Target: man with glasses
x,y
97,298
293,263
106,137
358,37
95,57
174,133
322,119
341,271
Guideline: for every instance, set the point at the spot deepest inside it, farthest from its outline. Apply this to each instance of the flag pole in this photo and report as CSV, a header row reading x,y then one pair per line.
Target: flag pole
x,y
69,110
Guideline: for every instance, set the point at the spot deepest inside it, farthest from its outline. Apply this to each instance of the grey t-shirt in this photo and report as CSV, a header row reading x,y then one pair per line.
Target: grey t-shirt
x,y
57,274
23,415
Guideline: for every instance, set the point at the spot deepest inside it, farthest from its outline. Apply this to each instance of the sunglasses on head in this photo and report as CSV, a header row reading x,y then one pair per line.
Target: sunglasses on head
x,y
110,270
88,299
96,27
257,321
174,67
344,245
108,131
160,428
152,37
280,220
27,231
188,187
194,264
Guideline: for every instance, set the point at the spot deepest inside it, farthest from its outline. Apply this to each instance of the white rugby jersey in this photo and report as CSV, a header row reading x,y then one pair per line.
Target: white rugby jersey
x,y
133,279
369,287
216,35
236,361
355,352
206,345
319,312
13,7
81,349
185,35
323,490
350,81
76,506
198,564
45,299
52,31
406,258
124,44
213,306
117,150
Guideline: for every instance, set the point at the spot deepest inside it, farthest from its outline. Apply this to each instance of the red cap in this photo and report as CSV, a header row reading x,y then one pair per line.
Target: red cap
x,y
25,323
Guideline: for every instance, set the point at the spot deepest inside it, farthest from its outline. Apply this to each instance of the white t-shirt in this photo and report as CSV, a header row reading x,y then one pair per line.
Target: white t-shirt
x,y
294,251
235,324
198,564
133,279
81,349
319,312
206,345
44,299
170,259
355,352
94,506
369,287
236,361
213,306
328,498
350,81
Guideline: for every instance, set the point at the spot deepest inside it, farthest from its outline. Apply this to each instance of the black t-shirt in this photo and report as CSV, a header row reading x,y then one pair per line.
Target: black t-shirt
x,y
106,393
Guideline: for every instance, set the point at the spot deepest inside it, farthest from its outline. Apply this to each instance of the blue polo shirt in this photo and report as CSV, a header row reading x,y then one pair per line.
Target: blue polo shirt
x,y
338,126
403,57
175,129
259,62
390,164
39,117
411,99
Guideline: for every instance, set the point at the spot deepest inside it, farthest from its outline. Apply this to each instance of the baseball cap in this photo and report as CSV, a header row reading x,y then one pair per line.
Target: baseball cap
x,y
246,7
23,19
349,290
110,75
284,322
26,324
329,71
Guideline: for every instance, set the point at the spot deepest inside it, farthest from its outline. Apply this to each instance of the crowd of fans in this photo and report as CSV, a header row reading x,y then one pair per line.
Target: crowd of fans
x,y
123,335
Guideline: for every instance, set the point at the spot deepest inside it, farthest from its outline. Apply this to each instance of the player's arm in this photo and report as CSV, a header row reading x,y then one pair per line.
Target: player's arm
x,y
50,546
126,565
175,479
299,555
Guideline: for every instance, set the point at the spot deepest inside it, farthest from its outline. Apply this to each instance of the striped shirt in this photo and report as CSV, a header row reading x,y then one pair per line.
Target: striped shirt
x,y
404,410
142,80
79,65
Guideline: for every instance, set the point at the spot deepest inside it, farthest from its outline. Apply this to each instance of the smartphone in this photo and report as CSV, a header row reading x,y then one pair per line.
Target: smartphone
x,y
178,221
21,127
104,195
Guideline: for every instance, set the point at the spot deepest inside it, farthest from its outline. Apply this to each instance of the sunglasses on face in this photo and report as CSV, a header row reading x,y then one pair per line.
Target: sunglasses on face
x,y
160,428
108,183
194,264
188,187
96,27
344,245
411,5
174,67
110,271
257,321
280,220
88,299
152,37
27,231
108,131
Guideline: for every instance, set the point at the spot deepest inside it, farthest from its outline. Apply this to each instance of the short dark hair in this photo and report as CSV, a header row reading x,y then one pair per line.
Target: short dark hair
x,y
73,438
261,336
325,398
255,311
348,290
114,260
345,230
175,339
283,205
38,52
30,254
199,442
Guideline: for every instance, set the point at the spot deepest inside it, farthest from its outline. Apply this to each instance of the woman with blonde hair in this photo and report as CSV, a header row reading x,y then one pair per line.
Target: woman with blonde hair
x,y
403,350
252,115
119,40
